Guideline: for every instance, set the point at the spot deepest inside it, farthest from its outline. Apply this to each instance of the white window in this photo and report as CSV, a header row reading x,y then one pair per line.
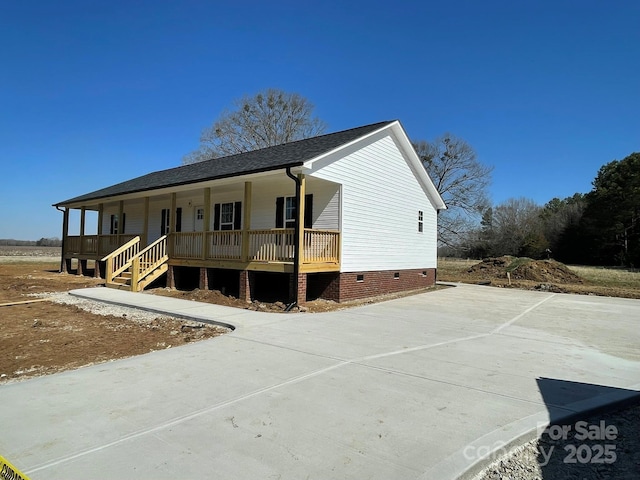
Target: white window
x,y
290,212
165,222
199,213
420,221
226,216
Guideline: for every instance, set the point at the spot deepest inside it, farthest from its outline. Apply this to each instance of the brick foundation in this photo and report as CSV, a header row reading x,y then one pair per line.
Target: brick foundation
x,y
245,285
342,287
82,267
203,283
301,295
99,270
171,277
339,287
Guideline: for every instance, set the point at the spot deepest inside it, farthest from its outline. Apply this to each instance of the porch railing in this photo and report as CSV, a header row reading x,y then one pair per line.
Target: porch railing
x,y
147,261
120,259
268,245
186,245
276,245
95,244
321,246
224,245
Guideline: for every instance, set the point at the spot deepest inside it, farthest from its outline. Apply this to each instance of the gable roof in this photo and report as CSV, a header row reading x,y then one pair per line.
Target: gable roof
x,y
290,154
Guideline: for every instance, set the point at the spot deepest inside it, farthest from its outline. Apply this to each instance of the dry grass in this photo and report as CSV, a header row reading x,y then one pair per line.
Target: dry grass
x,y
448,267
609,276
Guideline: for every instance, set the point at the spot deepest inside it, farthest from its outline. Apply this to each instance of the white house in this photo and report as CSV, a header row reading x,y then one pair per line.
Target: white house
x,y
341,216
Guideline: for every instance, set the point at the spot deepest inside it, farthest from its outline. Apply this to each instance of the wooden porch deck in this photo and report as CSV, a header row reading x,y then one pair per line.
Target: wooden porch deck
x,y
261,250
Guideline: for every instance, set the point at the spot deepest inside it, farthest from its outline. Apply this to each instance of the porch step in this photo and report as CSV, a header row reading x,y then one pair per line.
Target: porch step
x,y
118,286
162,269
154,265
122,280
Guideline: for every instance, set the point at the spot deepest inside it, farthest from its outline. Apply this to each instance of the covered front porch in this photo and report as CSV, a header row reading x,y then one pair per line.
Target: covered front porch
x,y
265,249
223,225
268,250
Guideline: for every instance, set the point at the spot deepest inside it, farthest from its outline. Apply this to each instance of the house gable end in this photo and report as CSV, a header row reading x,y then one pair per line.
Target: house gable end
x,y
388,216
404,146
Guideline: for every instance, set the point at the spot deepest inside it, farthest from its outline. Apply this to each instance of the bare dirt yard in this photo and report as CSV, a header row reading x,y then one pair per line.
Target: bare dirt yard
x,y
55,335
315,306
59,332
543,275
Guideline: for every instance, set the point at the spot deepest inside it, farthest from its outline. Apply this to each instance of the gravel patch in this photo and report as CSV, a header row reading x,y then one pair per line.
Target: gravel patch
x,y
105,309
605,446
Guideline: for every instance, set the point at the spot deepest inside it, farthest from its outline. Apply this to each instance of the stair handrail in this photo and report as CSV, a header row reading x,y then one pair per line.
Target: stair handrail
x,y
121,256
156,253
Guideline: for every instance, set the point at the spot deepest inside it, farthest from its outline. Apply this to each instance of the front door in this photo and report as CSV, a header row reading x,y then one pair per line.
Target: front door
x,y
198,221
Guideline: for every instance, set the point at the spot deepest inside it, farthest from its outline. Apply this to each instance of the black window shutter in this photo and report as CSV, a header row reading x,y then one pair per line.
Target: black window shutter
x,y
163,223
237,216
308,210
216,217
124,217
179,219
280,212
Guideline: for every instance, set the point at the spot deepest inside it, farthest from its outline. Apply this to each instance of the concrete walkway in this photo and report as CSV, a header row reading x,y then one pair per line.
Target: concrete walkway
x,y
418,387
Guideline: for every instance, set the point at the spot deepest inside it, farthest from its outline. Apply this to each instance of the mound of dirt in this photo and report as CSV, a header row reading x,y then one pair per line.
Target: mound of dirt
x,y
547,271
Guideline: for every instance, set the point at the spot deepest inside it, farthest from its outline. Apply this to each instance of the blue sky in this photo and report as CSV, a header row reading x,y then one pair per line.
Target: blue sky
x,y
97,92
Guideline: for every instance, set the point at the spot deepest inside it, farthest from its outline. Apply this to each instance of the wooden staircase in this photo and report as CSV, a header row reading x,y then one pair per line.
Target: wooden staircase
x,y
131,269
124,280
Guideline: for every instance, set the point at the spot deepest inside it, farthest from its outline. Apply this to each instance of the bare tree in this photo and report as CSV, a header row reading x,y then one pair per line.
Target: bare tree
x,y
462,181
516,228
268,118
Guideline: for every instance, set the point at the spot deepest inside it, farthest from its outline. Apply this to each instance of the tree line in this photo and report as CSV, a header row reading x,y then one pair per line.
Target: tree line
x,y
601,227
43,242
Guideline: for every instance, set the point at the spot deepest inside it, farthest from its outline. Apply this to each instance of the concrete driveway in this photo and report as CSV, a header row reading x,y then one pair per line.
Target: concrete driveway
x,y
419,387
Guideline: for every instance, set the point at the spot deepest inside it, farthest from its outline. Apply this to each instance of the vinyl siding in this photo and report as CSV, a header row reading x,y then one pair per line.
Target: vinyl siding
x,y
326,205
381,198
326,202
134,216
156,204
263,203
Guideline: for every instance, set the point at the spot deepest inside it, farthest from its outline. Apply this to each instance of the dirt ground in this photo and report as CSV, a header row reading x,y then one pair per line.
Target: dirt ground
x,y
543,275
46,337
315,306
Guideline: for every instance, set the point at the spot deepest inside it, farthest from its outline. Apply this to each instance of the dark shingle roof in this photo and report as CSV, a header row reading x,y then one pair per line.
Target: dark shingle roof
x,y
271,158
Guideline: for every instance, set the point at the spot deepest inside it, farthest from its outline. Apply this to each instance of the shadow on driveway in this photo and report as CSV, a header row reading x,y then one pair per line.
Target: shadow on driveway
x,y
589,445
